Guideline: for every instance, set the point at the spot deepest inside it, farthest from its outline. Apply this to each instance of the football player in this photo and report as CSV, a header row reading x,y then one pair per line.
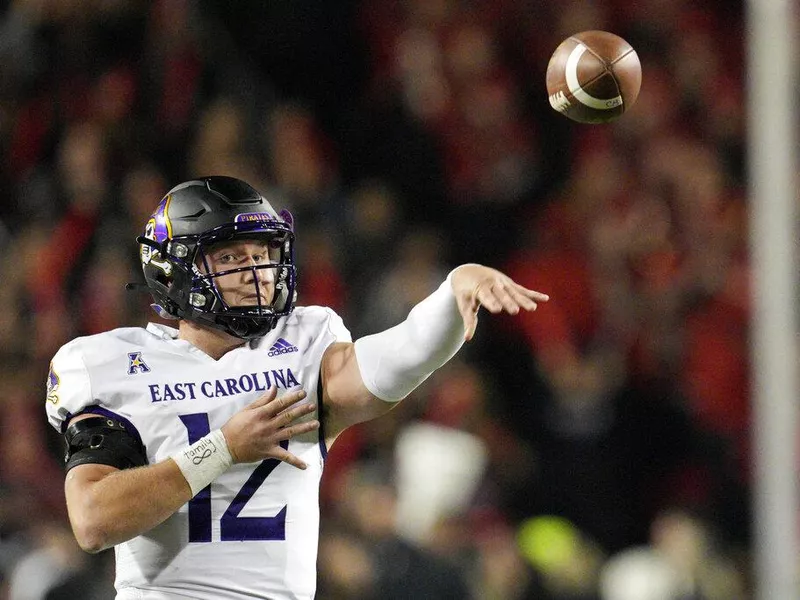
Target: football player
x,y
197,451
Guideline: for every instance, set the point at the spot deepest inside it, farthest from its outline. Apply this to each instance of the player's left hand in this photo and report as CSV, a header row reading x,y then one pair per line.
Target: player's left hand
x,y
476,285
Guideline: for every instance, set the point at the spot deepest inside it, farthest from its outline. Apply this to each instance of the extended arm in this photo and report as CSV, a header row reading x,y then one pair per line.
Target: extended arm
x,y
363,380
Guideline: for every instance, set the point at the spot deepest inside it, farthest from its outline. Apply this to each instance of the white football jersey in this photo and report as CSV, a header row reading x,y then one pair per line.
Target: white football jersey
x,y
253,532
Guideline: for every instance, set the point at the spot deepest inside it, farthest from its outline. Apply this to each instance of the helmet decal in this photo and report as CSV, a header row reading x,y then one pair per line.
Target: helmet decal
x,y
287,218
162,227
150,255
258,217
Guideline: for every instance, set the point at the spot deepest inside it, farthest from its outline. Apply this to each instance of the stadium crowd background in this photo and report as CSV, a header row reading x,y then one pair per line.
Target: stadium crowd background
x,y
575,453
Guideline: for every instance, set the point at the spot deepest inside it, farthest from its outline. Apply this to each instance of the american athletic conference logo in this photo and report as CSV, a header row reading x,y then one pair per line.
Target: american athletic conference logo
x,y
136,364
281,346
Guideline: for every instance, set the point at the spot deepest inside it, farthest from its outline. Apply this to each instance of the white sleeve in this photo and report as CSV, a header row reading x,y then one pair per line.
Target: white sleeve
x,y
68,386
394,362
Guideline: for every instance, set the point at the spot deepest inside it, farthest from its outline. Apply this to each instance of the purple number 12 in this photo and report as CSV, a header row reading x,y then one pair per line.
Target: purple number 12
x,y
232,526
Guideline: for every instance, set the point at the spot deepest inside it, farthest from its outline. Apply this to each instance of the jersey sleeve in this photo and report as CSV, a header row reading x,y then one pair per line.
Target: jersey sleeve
x,y
336,327
316,328
68,386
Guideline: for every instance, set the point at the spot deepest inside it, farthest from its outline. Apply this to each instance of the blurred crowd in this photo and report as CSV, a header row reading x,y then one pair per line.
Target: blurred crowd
x,y
596,449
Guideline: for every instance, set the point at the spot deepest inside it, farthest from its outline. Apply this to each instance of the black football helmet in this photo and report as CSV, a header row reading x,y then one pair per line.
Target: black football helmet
x,y
192,216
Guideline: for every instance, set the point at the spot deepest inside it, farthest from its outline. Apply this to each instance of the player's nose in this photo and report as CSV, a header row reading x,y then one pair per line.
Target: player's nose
x,y
258,271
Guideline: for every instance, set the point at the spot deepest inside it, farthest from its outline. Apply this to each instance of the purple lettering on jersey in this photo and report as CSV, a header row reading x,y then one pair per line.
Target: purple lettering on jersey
x,y
279,378
246,383
155,393
256,385
223,388
232,388
232,526
168,395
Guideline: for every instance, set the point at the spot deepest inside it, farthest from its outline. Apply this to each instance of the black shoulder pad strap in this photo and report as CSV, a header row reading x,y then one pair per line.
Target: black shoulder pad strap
x,y
103,441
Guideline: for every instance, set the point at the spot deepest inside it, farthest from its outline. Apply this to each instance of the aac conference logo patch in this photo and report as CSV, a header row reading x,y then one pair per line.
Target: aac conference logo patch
x,y
136,364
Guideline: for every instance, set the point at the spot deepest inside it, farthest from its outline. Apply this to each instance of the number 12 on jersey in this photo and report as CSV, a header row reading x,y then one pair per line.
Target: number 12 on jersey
x,y
232,526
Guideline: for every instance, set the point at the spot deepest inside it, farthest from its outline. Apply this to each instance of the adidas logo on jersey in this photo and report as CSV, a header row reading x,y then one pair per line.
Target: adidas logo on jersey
x,y
281,347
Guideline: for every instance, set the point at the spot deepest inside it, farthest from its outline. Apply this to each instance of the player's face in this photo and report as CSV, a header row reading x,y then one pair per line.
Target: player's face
x,y
239,289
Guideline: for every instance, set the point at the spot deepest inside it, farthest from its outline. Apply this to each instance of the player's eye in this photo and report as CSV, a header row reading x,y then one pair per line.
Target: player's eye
x,y
227,259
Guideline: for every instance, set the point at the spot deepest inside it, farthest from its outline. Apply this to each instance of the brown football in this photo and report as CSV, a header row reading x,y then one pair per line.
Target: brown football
x,y
593,77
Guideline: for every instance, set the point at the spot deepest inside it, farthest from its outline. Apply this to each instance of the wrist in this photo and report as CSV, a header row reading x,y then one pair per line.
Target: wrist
x,y
204,461
230,447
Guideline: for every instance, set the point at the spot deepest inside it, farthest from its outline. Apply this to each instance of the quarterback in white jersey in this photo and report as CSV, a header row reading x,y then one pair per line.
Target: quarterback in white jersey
x,y
197,451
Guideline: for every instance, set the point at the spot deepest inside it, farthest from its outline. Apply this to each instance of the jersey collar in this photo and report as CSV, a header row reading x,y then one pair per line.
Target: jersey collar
x,y
163,331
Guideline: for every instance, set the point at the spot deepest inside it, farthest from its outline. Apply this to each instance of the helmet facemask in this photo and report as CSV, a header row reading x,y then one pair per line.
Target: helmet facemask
x,y
196,296
207,300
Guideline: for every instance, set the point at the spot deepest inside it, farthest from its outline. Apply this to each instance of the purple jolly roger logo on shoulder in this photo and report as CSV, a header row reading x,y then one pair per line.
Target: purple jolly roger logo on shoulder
x,y
53,382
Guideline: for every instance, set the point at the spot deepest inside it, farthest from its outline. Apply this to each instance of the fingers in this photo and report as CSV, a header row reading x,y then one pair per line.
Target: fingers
x,y
278,405
470,324
295,430
288,457
496,294
287,417
527,299
506,295
287,433
264,399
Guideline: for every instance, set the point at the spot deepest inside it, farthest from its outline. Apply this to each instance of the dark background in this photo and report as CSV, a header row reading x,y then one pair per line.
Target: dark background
x,y
408,137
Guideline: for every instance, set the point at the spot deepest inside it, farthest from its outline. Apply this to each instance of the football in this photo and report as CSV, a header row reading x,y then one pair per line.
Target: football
x,y
593,77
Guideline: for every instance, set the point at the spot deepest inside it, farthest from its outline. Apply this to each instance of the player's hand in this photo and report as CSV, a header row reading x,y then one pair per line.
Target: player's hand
x,y
256,431
475,286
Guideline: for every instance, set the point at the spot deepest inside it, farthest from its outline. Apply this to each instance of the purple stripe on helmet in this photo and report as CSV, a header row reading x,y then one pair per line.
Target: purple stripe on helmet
x,y
163,228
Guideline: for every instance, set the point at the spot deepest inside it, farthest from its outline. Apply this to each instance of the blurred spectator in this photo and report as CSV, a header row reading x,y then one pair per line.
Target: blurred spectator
x,y
55,557
399,568
567,559
425,496
417,264
682,561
